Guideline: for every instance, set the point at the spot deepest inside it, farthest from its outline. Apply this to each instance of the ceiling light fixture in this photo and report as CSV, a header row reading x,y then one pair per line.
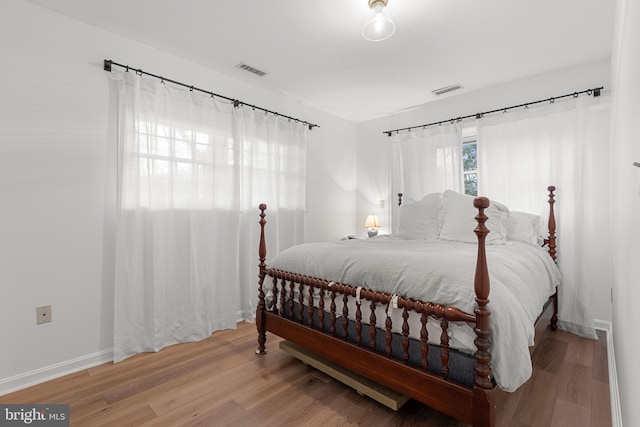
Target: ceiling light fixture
x,y
380,26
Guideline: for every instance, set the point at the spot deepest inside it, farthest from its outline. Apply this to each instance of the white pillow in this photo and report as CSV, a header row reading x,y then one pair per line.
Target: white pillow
x,y
419,220
523,227
458,219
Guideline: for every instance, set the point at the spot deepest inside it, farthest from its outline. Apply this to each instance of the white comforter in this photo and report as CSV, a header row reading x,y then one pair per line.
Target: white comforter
x,y
522,278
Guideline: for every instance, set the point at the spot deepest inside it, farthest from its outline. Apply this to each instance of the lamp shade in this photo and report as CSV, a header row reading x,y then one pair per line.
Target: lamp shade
x,y
372,222
380,26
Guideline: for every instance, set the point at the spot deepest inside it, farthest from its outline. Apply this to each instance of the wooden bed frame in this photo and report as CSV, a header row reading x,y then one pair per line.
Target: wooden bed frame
x,y
474,405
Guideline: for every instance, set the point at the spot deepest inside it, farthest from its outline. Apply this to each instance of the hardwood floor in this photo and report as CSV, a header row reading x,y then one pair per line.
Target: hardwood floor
x,y
221,382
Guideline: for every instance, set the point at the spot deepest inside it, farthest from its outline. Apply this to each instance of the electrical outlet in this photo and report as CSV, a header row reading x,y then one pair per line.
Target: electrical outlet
x,y
43,314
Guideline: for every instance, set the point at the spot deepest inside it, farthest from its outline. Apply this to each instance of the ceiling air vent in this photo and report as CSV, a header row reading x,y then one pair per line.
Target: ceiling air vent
x,y
251,69
446,89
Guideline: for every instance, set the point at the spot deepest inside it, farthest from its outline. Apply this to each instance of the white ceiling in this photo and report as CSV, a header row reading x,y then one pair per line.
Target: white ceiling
x,y
314,52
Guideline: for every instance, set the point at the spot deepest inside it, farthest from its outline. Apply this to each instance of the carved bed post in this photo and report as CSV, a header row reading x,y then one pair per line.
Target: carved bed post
x,y
483,407
551,241
260,311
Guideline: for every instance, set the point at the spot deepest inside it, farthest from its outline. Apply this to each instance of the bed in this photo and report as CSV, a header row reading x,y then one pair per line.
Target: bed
x,y
411,310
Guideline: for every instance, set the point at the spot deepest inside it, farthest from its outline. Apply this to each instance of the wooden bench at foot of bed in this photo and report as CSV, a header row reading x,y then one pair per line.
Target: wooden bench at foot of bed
x,y
362,385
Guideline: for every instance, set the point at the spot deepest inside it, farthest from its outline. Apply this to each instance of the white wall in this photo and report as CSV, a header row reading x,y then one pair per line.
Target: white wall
x,y
53,164
626,207
373,146
332,181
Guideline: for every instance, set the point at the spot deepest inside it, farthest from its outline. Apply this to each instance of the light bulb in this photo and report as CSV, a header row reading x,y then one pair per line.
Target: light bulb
x,y
380,26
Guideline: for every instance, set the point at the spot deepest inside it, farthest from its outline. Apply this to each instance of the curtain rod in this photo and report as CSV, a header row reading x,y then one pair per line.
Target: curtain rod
x,y
236,103
595,91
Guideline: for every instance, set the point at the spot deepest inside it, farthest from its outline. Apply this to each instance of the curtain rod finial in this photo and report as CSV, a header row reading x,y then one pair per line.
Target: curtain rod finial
x,y
107,65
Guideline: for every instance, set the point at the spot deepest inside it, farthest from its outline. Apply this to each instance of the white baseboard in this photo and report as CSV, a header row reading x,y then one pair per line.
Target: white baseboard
x,y
602,325
616,414
28,379
37,376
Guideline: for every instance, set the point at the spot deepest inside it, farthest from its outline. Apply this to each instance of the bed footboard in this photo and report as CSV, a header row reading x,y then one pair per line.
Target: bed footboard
x,y
287,308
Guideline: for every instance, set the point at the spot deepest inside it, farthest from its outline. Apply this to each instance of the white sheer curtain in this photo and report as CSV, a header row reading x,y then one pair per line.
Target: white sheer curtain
x,y
427,161
565,144
191,173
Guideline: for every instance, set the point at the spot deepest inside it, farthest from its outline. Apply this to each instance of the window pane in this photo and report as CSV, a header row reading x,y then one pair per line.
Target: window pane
x,y
469,156
183,150
471,184
183,134
161,147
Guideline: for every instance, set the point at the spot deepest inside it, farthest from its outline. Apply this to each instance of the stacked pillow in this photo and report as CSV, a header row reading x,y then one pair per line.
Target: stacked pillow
x,y
451,216
524,227
419,220
459,219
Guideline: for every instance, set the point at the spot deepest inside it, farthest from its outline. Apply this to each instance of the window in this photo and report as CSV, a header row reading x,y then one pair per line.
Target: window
x,y
470,165
180,166
176,165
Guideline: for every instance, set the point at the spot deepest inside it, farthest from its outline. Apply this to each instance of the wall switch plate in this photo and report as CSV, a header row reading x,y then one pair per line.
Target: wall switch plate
x,y
43,314
381,203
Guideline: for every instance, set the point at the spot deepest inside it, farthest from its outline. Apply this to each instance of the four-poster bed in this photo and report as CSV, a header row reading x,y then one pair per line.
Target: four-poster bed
x,y
301,305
